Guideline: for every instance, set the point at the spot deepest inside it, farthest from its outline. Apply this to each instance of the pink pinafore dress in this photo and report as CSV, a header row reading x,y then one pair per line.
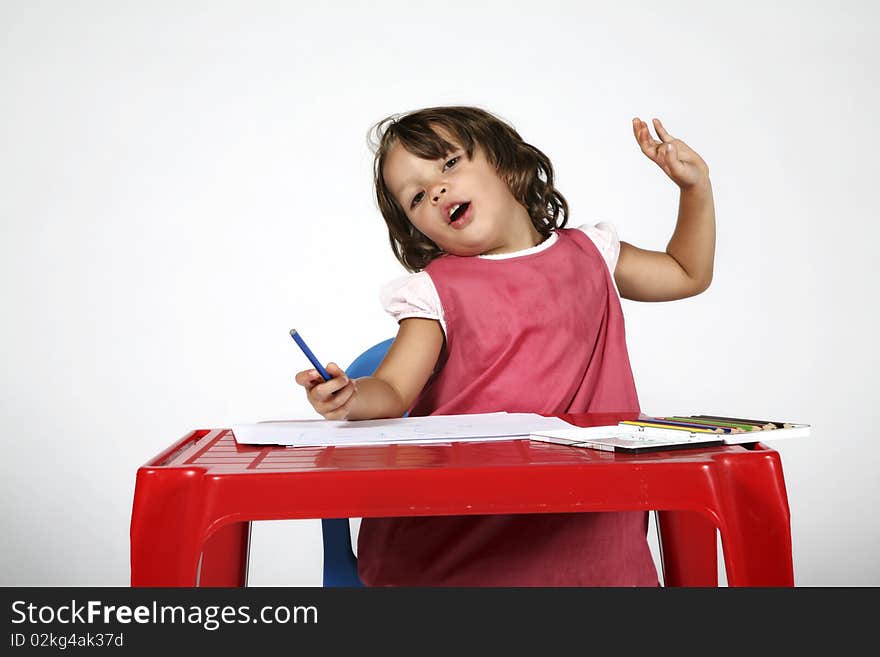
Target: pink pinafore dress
x,y
541,333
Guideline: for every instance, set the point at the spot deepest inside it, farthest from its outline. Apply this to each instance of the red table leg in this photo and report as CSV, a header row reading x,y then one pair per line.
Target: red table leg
x,y
756,536
225,556
688,549
166,527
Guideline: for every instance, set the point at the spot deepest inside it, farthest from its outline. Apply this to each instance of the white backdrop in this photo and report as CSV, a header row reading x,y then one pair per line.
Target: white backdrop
x,y
182,183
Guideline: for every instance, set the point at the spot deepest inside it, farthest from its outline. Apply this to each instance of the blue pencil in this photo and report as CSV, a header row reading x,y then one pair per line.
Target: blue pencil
x,y
308,352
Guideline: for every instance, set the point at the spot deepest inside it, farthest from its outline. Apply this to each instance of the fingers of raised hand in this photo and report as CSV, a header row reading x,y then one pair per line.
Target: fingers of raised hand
x,y
643,136
665,137
667,156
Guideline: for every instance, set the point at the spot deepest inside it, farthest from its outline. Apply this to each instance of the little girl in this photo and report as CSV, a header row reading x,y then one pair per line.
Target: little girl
x,y
507,310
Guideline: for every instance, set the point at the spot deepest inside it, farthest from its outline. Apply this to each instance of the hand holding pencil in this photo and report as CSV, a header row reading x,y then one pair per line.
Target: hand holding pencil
x,y
329,391
333,398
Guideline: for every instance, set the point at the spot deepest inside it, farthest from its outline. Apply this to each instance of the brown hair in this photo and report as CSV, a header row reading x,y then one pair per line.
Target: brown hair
x,y
526,170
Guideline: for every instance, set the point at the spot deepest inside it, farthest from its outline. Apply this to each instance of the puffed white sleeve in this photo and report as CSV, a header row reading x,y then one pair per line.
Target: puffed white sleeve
x,y
413,295
604,236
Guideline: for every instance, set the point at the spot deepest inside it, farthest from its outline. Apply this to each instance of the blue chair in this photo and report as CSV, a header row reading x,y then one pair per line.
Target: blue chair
x,y
340,564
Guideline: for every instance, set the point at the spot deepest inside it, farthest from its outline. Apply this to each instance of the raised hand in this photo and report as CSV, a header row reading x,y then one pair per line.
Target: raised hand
x,y
678,160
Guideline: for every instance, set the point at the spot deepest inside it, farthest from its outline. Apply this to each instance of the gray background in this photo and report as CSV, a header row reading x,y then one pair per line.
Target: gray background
x,y
181,183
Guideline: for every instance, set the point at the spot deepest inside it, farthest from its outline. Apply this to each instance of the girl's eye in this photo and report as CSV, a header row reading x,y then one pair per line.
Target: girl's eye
x,y
416,198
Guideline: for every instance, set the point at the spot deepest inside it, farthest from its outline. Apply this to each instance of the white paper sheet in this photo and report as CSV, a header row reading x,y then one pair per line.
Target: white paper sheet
x,y
411,430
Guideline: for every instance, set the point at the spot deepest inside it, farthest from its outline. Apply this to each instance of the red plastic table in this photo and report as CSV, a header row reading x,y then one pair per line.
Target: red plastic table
x,y
194,502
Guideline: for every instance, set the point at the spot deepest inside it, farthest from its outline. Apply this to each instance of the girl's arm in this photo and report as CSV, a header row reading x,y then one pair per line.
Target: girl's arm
x,y
402,374
685,269
395,384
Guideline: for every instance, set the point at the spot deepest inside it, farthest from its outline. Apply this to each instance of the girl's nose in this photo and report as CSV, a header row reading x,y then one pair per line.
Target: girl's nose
x,y
442,191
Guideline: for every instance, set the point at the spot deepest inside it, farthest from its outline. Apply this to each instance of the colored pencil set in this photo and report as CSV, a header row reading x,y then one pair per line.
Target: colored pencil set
x,y
706,423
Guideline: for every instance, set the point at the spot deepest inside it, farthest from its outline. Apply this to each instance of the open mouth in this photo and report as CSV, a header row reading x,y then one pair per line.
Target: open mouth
x,y
458,212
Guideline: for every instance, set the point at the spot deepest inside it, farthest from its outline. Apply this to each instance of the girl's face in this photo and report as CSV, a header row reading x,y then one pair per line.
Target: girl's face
x,y
490,219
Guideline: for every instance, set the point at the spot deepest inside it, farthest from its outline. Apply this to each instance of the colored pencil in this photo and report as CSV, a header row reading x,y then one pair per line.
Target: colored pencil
x,y
767,424
678,422
740,427
668,426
